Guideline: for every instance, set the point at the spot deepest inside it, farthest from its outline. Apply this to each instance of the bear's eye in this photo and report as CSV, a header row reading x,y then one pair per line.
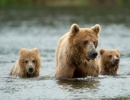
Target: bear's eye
x,y
117,56
26,61
110,56
33,61
85,42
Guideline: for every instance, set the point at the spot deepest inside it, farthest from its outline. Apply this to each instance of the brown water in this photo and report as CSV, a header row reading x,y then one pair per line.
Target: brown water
x,y
42,29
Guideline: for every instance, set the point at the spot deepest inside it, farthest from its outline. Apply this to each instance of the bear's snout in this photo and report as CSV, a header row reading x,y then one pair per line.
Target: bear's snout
x,y
115,61
30,70
92,55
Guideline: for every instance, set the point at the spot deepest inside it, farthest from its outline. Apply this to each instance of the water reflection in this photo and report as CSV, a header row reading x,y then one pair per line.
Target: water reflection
x,y
117,98
78,83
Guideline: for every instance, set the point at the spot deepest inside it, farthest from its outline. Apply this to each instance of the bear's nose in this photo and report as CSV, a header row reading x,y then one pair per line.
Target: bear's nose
x,y
117,60
94,54
30,70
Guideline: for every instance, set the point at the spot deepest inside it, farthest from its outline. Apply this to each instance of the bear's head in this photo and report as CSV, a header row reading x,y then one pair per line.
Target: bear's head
x,y
29,61
110,57
85,40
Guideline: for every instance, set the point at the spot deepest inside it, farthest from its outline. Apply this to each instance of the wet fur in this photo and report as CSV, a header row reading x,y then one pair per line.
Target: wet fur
x,y
70,61
106,66
19,68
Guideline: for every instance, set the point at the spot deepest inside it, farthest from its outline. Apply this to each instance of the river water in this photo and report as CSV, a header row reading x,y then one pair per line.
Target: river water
x,y
42,29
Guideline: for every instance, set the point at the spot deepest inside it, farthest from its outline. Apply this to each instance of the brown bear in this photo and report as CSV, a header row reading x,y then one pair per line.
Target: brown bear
x,y
75,53
28,64
109,61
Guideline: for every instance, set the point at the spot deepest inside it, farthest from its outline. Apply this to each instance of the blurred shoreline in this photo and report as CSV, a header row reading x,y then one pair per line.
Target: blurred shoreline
x,y
64,3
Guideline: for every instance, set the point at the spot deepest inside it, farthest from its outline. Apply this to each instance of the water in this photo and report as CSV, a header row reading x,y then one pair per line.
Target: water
x,y
42,29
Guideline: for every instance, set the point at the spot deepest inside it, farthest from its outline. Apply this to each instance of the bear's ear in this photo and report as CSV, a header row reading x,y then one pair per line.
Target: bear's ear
x,y
96,29
36,50
74,29
22,50
102,51
117,50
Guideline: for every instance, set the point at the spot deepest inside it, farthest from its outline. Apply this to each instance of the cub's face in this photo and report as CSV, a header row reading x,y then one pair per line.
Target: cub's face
x,y
111,57
85,40
30,64
29,60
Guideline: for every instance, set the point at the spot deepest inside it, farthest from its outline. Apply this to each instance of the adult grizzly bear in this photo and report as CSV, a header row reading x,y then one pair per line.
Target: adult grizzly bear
x,y
75,53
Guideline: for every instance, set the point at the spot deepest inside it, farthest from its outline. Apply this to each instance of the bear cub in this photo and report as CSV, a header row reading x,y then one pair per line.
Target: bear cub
x,y
28,64
109,61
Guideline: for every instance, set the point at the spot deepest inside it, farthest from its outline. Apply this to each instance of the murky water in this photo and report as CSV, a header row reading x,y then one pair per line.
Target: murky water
x,y
42,29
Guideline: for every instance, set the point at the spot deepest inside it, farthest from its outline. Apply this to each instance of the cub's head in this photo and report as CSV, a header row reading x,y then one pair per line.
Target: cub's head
x,y
110,57
85,40
29,61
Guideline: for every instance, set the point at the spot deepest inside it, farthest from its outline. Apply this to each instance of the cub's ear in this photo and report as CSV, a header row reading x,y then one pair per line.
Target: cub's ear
x,y
74,29
36,50
117,50
22,50
96,29
102,51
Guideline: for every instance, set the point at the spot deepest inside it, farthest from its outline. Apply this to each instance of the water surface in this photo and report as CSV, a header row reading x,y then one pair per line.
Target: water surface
x,y
42,29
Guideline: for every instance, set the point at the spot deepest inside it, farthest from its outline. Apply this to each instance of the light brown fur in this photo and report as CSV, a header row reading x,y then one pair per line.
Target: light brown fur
x,y
71,60
106,61
27,58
